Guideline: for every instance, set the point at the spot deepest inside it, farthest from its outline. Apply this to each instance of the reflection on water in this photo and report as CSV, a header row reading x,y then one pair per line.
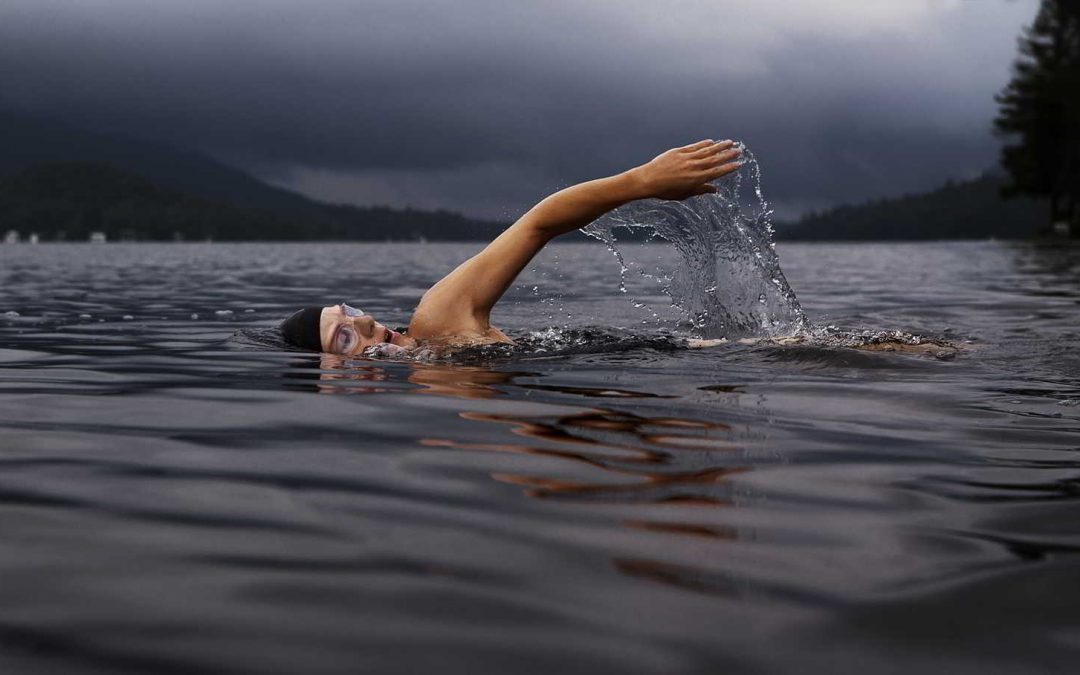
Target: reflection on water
x,y
679,576
342,375
178,496
632,459
618,444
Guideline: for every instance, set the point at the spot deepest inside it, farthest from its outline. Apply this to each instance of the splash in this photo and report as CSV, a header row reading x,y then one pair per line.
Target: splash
x,y
728,282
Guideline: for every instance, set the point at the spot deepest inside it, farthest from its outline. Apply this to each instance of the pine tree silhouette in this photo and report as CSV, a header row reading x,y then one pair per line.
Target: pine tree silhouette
x,y
1040,113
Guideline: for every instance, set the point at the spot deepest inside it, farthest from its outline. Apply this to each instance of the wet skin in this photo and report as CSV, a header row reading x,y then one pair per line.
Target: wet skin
x,y
456,311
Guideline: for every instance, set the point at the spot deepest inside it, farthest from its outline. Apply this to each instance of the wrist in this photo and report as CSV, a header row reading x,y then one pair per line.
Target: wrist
x,y
636,184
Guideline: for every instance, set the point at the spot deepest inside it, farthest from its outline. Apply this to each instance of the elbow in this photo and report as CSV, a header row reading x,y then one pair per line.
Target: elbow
x,y
537,229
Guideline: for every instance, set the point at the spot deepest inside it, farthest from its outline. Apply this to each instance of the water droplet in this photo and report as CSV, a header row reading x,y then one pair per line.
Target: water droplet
x,y
11,315
762,299
223,312
127,317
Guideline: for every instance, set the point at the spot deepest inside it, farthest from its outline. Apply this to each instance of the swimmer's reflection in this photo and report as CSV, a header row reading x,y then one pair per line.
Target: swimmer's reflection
x,y
462,381
338,376
681,576
341,375
601,455
621,458
634,455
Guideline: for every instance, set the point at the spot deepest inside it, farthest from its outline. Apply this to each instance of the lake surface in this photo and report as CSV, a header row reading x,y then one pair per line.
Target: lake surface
x,y
179,496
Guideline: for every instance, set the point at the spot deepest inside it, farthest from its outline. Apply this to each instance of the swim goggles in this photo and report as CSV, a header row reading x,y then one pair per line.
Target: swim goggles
x,y
345,337
350,311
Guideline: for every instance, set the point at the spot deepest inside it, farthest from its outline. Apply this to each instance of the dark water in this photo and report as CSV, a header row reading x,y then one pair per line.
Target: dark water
x,y
175,497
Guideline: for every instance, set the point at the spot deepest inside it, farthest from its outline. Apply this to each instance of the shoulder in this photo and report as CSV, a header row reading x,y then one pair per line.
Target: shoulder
x,y
456,329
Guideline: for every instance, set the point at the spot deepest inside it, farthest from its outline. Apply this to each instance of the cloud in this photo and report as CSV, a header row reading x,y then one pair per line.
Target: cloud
x,y
479,103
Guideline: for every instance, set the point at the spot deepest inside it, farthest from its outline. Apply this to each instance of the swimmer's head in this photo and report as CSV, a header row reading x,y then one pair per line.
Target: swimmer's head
x,y
338,329
301,329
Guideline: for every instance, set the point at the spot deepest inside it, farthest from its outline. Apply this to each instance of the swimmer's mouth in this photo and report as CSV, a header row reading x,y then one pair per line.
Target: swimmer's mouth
x,y
388,336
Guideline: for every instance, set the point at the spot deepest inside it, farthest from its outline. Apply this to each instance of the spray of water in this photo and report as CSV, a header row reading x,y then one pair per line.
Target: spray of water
x,y
728,280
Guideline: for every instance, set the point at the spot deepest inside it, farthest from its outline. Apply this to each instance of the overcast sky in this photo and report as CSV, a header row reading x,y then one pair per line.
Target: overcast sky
x,y
485,106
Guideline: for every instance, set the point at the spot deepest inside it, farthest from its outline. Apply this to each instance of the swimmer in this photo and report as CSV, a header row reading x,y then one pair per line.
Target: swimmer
x,y
456,311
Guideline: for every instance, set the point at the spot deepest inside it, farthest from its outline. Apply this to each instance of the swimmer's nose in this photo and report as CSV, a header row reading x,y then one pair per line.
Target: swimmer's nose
x,y
366,325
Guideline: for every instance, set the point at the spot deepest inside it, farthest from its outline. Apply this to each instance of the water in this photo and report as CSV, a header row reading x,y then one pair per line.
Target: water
x,y
175,496
725,277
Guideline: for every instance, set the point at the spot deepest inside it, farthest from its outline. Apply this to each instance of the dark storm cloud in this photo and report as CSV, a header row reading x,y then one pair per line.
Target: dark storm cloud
x,y
483,106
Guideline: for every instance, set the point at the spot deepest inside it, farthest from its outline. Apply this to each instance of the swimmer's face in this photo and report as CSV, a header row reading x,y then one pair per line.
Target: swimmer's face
x,y
348,331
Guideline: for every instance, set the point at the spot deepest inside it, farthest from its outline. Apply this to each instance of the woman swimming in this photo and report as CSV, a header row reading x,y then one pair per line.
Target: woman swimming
x,y
456,311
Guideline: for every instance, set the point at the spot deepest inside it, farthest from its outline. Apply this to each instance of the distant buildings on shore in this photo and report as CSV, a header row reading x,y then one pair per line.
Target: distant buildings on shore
x,y
96,237
13,237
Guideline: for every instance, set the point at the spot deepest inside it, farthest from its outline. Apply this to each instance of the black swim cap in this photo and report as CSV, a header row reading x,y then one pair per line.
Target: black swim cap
x,y
302,329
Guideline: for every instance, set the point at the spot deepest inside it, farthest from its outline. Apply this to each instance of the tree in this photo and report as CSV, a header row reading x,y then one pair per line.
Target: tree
x,y
1040,113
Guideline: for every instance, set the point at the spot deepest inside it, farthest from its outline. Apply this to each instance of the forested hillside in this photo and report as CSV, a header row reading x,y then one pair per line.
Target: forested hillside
x,y
58,181
958,210
69,200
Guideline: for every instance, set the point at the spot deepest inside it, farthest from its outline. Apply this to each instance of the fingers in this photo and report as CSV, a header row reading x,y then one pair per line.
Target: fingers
x,y
712,149
710,161
697,146
722,170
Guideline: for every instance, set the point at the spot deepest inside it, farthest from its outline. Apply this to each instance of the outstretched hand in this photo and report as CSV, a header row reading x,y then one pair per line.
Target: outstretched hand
x,y
685,172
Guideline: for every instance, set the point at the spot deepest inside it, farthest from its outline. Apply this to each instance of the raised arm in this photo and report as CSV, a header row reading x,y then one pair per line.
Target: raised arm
x,y
464,298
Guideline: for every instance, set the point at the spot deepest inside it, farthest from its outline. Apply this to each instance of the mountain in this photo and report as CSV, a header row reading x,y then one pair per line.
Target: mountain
x,y
26,141
70,200
970,209
55,178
